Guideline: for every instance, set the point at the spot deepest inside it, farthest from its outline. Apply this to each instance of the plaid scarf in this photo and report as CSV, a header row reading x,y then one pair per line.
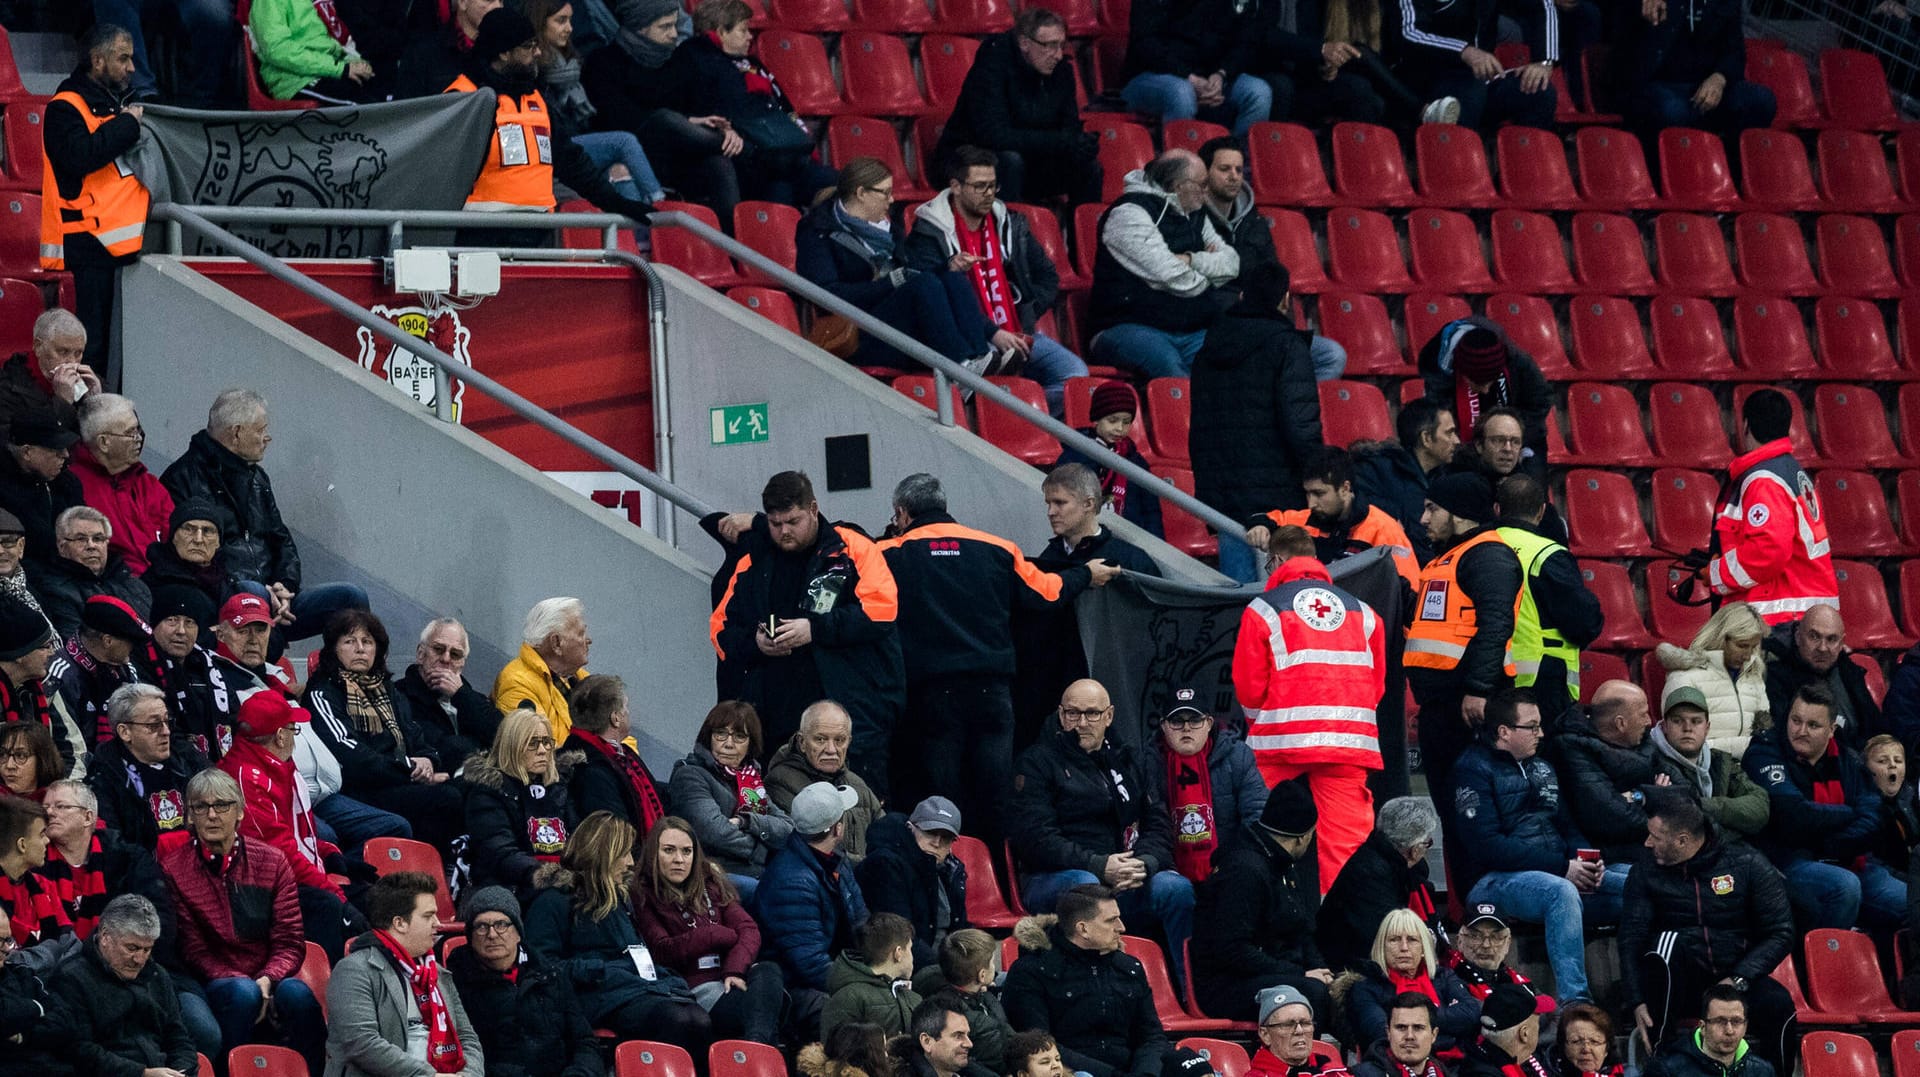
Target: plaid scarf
x,y
370,705
81,888
423,978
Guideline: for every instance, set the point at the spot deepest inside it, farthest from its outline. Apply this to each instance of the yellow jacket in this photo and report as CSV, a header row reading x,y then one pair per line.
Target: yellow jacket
x,y
527,679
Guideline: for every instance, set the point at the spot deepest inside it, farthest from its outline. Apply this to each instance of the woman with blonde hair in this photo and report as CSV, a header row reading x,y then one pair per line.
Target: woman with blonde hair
x,y
1404,959
1724,662
518,812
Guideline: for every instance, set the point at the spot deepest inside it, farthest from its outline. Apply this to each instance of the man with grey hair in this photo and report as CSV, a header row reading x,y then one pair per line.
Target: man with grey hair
x,y
87,671
819,753
1159,259
53,376
553,658
458,717
140,776
959,588
124,1014
84,566
113,480
1389,871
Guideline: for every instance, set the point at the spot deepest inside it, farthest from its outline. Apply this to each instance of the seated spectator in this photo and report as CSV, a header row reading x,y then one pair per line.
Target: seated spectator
x,y
614,152
696,927
1019,100
1479,956
306,51
52,376
1901,707
1813,650
940,1041
1689,70
524,1010
1407,1049
1113,408
27,645
1287,1044
911,871
31,899
203,689
718,788
1683,752
1075,983
242,635
89,865
1324,64
610,776
1509,1036
139,776
1088,815
211,36
435,58
1034,1053
844,245
1677,937
966,230
35,485
386,760
85,567
238,911
95,662
1389,871
1404,959
582,920
1585,1047
1498,454
1395,474
553,658
123,1011
777,163
968,969
31,1020
809,900
113,480
854,1050
818,753
390,1012
1341,522
518,813
29,762
1724,664
1184,60
190,555
1208,782
13,570
1719,1045
1256,913
1472,367
1605,762
458,716
1824,814
1519,842
1444,54
1886,760
872,985
1159,259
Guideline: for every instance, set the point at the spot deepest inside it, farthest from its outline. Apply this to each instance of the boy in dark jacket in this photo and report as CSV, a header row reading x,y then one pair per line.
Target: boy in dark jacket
x,y
872,985
1074,982
524,1010
969,965
1019,101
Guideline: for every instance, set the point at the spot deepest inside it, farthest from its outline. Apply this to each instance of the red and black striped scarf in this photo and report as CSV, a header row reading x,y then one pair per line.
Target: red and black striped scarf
x,y
35,910
81,889
645,793
25,703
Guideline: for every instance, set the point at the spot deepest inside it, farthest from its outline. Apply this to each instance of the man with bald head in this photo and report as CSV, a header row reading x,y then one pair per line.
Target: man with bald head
x,y
1813,650
1605,761
1087,814
818,753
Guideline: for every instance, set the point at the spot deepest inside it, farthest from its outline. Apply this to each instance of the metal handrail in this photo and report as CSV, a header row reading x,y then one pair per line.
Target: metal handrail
x,y
196,219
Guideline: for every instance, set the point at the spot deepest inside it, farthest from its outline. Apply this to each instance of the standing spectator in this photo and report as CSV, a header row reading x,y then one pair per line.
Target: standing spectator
x,y
1088,816
85,567
390,1012
1287,1045
1813,650
190,555
1389,871
1255,916
819,753
1074,982
518,813
1718,1048
203,689
1309,668
1407,1049
1678,937
1725,665
1769,544
1187,58
140,780
1683,752
1557,615
1159,259
1019,100
238,911
1444,53
967,974
610,776
911,872
809,901
719,788
872,985
562,89
1471,366
31,900
524,1010
35,484
1585,1047
432,59
113,480
1479,956
1509,1035
553,658
27,645
967,230
458,716
1342,522
123,1012
52,375
1113,408
29,762
1395,474
82,678
306,51
1404,958
1691,67
1605,761
1207,780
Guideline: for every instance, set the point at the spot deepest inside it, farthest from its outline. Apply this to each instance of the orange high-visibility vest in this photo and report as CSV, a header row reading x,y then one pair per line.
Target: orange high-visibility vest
x,y
111,206
1443,618
518,174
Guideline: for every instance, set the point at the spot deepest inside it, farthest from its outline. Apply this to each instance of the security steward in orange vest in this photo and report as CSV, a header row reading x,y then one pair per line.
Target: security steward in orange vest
x,y
1459,640
530,147
1341,522
93,211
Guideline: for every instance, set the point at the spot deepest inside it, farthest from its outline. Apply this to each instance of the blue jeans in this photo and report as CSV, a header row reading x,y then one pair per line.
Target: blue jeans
x,y
1557,905
1239,562
348,823
313,606
1329,358
210,27
746,885
1822,895
1167,898
1883,897
938,309
202,1027
1656,106
235,1002
1171,97
609,148
1051,364
1153,353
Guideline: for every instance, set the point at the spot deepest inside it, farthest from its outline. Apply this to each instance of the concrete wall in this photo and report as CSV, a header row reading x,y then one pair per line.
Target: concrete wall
x,y
430,518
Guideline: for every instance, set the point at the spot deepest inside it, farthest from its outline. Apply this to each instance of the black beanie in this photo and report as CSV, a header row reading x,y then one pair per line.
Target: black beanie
x,y
200,508
23,629
1290,808
1464,494
503,30
179,600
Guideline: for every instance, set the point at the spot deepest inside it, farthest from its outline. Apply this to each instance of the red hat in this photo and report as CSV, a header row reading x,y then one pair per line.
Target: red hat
x,y
1111,397
1479,355
246,608
266,712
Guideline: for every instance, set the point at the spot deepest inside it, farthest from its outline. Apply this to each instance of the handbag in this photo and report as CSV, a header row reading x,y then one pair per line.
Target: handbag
x,y
834,334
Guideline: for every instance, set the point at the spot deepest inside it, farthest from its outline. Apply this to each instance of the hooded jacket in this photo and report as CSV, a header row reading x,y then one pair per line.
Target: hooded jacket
x,y
37,501
135,503
860,994
142,801
1254,919
239,915
63,587
1856,716
1138,276
1006,105
1076,807
369,1006
1726,794
1722,913
1523,388
1737,708
1512,816
260,548
900,877
73,152
706,796
529,1024
1253,385
279,814
1374,881
1034,277
294,46
1246,231
788,772
1797,826
1098,1007
592,953
703,944
810,907
121,1028
1595,773
513,826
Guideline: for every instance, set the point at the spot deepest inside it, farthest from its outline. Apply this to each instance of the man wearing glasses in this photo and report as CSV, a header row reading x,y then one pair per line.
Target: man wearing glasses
x,y
1019,101
1287,1048
139,779
524,1010
459,717
1206,779
107,463
85,566
1718,1048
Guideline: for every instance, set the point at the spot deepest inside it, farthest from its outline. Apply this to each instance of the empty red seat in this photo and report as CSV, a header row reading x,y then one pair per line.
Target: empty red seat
x,y
1361,325
1692,255
1906,164
1608,255
1859,522
973,16
1608,339
1533,169
1425,315
1284,162
1803,448
1853,173
878,74
1785,73
21,305
1169,417
1294,245
1531,325
1852,339
1353,411
1046,232
1599,667
1687,340
767,227
24,145
919,388
1771,254
1019,439
1852,422
1853,257
1190,134
1686,425
1671,621
1612,169
1837,1054
11,88
1452,163
1621,627
1843,973
799,61
772,304
893,16
1446,252
1528,253
924,136
1363,251
862,136
945,60
1086,238
1603,515
1369,168
691,254
1694,172
1082,16
648,1058
1775,173
1184,532
1853,91
1771,339
1870,627
813,16
1603,426
1682,508
1123,148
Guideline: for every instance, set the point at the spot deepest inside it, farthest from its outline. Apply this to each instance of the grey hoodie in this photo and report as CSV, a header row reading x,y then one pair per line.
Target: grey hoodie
x,y
1133,236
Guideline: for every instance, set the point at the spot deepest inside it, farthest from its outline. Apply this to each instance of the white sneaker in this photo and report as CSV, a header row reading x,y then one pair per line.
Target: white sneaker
x,y
982,364
1441,110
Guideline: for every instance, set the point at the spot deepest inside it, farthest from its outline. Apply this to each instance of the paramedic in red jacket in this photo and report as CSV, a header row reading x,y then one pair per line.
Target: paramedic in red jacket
x,y
1769,537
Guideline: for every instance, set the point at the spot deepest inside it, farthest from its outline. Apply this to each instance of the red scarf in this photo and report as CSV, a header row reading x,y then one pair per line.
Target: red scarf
x,y
1831,791
750,790
423,977
1467,404
27,703
1422,903
1431,1069
759,79
1419,985
1530,1066
1190,798
645,793
81,889
990,282
1113,485
330,18
34,908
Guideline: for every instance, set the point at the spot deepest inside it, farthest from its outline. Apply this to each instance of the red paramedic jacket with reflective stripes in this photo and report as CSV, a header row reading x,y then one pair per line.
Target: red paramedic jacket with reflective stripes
x,y
1769,538
1309,667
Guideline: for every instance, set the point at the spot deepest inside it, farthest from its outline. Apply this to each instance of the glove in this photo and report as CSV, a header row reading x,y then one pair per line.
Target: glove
x,y
901,276
639,211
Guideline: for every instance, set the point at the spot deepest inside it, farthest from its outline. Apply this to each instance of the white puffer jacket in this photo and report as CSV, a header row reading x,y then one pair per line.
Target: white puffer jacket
x,y
1736,709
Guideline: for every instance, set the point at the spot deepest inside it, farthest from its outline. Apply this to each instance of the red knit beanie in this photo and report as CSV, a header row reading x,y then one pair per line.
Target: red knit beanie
x,y
1479,356
1113,396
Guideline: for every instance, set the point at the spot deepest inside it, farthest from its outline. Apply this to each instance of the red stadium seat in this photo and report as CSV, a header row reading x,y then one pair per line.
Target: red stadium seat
x,y
258,99
1169,417
1852,338
693,255
1530,323
862,136
20,235
919,388
1692,255
1079,401
1452,164
767,227
1228,1058
1173,1016
1294,245
1693,171
1425,315
973,16
1603,426
1046,231
316,971
1906,161
1906,250
1612,169
1682,508
1086,238
1363,251
1369,168
1906,412
893,16
1671,621
1836,1054
945,59
985,907
265,1061
1859,522
925,137
1083,20
1906,1047
11,88
745,1058
1687,340
1853,257
1190,134
1786,976
1621,626
1772,255
1597,668
1353,411
799,61
1359,322
1853,91
1608,255
24,144
1608,340
772,304
1853,427
646,1058
1123,148
1853,173
1909,580
878,73
1785,73
1533,169
1869,626
1184,532
20,306
1446,252
813,16
1771,339
1686,425
1843,972
1876,679
1775,173
1284,162
389,855
1603,515
1528,253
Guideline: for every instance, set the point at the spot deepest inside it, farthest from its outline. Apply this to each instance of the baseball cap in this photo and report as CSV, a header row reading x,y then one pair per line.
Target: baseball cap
x,y
265,712
1684,695
1185,701
936,813
1485,911
820,805
246,608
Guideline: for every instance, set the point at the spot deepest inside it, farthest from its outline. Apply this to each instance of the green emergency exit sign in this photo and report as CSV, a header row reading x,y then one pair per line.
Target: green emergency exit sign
x,y
738,424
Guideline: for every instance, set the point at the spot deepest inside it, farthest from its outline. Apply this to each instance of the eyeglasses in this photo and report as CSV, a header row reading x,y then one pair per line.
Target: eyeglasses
x,y
136,434
1047,46
1726,1022
1530,727
540,742
1075,716
983,187
146,726
89,538
51,808
719,734
218,807
491,928
1186,721
17,755
1302,1025
884,192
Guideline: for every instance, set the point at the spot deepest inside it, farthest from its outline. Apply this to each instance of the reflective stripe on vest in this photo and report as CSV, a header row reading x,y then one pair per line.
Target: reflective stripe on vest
x,y
1443,620
111,206
1532,641
518,174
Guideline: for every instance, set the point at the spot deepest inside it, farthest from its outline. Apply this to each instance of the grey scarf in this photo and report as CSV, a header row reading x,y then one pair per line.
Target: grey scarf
x,y
645,51
1702,767
567,96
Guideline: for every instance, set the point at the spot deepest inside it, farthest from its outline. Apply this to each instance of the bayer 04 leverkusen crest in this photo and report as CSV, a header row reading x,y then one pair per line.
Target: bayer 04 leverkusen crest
x,y
407,372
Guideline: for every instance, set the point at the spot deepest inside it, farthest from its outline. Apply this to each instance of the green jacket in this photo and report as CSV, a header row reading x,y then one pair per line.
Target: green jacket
x,y
1739,804
861,994
294,47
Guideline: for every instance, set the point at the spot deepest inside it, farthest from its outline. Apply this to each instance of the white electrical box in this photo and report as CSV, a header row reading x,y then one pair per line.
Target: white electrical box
x,y
417,270
479,274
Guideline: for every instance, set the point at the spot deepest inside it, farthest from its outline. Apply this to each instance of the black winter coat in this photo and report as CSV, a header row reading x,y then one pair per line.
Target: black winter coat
x,y
33,1025
1727,909
1704,37
469,729
1075,807
1856,716
1256,915
899,877
625,94
21,394
1684,1058
368,760
597,785
136,812
1386,473
593,953
78,687
37,502
260,548
73,151
1511,814
63,587
1257,413
382,29
203,698
430,63
1796,825
529,1025
1097,1007
1186,37
1374,881
166,568
1594,774
512,826
1524,389
1005,104
120,1028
